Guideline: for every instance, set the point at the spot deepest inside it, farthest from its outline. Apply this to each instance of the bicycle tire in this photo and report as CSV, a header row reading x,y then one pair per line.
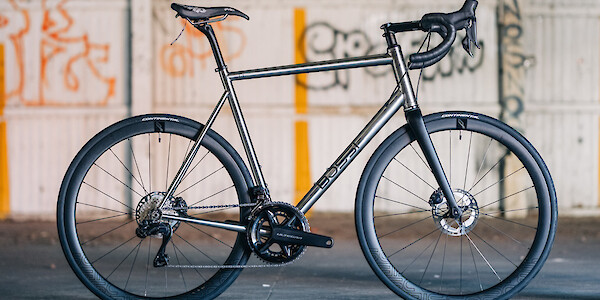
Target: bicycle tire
x,y
96,224
496,251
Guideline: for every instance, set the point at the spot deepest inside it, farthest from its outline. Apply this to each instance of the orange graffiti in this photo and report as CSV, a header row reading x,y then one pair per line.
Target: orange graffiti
x,y
177,59
62,52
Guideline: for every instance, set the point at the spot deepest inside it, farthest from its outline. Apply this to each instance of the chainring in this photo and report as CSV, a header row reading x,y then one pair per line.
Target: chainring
x,y
259,231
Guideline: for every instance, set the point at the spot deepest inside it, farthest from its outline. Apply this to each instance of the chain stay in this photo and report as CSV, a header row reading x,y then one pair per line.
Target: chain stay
x,y
223,266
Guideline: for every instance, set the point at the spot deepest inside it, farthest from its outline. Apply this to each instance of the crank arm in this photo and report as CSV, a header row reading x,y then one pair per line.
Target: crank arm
x,y
292,236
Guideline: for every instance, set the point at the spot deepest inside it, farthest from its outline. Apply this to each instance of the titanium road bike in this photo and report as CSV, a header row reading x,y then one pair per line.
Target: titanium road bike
x,y
451,205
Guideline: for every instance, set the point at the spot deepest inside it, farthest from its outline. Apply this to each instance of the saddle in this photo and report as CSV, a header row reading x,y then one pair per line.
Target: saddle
x,y
197,13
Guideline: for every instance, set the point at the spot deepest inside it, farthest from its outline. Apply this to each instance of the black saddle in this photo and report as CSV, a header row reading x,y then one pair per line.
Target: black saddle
x,y
197,13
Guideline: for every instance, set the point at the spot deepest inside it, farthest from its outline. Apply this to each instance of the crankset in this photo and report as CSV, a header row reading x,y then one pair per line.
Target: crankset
x,y
278,233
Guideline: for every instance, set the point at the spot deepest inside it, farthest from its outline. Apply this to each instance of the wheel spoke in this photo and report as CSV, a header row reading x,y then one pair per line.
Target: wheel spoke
x,y
107,232
480,179
468,159
123,183
168,161
423,180
103,208
137,166
188,261
487,149
430,257
179,263
149,163
414,242
107,195
133,263
476,270
100,219
404,227
125,258
405,189
203,253
505,220
113,249
197,182
191,225
399,202
194,167
417,257
504,233
217,193
482,256
494,248
422,159
501,180
399,214
511,210
128,171
513,194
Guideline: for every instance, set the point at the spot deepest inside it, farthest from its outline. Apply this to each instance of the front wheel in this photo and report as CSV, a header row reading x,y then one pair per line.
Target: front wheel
x,y
110,228
499,181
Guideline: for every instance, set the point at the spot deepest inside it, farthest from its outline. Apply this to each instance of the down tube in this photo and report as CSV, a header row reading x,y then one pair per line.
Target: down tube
x,y
362,139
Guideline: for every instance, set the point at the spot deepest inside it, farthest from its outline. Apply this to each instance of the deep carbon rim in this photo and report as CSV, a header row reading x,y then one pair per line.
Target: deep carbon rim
x,y
80,256
416,285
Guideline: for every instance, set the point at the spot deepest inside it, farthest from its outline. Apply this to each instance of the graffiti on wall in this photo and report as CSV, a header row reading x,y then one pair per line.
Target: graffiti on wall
x,y
178,59
513,63
53,61
323,42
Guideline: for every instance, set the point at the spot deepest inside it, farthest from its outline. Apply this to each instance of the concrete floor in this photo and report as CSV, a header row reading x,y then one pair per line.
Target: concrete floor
x,y
32,266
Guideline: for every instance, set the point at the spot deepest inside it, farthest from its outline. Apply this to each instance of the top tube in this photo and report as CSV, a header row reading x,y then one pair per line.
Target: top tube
x,y
327,65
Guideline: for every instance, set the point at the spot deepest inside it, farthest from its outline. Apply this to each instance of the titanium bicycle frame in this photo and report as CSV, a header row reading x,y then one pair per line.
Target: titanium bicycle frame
x,y
402,96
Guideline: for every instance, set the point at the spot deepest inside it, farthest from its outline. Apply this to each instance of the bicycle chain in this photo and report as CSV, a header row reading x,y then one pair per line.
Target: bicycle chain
x,y
269,265
229,266
216,206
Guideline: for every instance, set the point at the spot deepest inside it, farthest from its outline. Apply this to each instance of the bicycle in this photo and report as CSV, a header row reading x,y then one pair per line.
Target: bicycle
x,y
451,205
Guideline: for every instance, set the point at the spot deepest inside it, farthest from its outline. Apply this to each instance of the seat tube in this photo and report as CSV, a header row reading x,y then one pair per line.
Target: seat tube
x,y
243,130
258,178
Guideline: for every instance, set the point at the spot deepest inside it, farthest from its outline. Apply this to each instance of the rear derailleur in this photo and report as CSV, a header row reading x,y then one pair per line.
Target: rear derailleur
x,y
150,224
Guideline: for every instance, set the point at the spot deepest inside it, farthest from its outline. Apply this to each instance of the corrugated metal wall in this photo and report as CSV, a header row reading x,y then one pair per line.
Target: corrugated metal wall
x,y
562,94
64,82
67,74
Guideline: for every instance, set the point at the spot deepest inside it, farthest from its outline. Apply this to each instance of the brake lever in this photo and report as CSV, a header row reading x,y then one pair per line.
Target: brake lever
x,y
471,37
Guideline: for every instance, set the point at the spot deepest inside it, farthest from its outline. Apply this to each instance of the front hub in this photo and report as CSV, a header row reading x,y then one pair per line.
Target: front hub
x,y
440,211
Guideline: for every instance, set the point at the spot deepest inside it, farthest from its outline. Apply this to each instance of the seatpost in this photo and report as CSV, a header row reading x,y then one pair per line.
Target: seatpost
x,y
214,45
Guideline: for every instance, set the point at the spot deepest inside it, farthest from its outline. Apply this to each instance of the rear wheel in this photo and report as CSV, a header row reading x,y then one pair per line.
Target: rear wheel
x,y
499,181
110,194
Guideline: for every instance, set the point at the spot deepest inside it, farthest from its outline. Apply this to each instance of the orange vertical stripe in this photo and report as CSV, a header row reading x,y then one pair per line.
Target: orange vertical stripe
x,y
299,26
303,182
302,174
4,191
